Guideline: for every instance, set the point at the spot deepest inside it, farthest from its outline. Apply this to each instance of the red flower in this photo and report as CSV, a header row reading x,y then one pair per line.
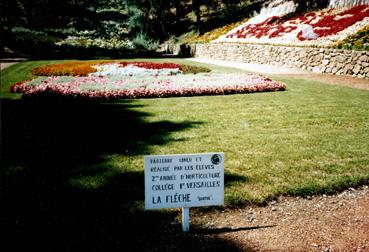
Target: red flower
x,y
329,23
19,87
151,65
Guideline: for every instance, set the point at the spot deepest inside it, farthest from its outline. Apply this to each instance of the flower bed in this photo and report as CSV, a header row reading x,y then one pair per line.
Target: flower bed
x,y
151,65
117,80
137,68
116,87
330,24
320,28
73,68
98,68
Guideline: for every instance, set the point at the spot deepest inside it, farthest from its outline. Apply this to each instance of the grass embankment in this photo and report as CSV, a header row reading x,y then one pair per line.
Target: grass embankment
x,y
312,138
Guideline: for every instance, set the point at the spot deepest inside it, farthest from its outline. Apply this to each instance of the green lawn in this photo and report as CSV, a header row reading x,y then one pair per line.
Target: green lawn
x,y
312,138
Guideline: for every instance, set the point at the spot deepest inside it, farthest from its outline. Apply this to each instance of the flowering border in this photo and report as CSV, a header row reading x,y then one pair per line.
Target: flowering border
x,y
151,65
111,90
151,93
86,68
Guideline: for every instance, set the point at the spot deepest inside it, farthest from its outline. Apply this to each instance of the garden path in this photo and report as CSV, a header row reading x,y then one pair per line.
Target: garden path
x,y
7,62
277,71
326,223
256,68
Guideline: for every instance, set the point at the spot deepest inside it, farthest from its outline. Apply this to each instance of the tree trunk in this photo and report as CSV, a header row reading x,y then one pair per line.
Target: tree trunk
x,y
196,8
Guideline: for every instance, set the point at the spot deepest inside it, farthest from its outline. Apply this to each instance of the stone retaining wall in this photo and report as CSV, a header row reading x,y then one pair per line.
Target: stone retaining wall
x,y
346,3
318,60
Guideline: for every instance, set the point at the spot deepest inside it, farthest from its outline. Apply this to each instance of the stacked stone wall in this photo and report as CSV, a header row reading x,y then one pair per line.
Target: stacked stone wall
x,y
318,60
346,3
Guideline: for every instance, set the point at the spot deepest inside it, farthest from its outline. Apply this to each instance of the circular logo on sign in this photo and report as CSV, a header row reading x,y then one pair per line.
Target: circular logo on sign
x,y
216,159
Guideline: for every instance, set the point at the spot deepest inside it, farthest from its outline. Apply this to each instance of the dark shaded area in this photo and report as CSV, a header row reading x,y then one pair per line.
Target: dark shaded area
x,y
45,143
309,5
232,11
32,28
49,51
55,128
231,178
228,230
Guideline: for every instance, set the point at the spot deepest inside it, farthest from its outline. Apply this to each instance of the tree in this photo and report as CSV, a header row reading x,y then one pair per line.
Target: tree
x,y
26,21
150,21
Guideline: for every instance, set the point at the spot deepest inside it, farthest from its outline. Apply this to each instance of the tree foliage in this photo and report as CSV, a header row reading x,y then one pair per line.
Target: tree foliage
x,y
22,21
144,22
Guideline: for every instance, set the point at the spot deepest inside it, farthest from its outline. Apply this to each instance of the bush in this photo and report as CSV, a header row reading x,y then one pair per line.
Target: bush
x,y
143,42
66,43
187,69
29,41
358,41
85,42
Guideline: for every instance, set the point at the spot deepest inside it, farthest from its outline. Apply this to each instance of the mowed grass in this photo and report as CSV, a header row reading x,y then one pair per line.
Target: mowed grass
x,y
312,138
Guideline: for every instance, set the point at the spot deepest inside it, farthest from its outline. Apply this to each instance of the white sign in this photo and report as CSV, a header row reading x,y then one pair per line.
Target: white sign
x,y
189,180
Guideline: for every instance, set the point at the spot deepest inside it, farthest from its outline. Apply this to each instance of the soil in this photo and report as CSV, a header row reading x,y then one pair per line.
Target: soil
x,y
320,223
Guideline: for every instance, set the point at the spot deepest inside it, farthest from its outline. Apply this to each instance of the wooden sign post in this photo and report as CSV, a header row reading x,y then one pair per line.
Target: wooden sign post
x,y
184,181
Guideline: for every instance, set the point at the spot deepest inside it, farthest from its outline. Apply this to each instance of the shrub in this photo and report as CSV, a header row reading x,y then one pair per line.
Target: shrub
x,y
86,42
358,41
187,69
29,41
143,42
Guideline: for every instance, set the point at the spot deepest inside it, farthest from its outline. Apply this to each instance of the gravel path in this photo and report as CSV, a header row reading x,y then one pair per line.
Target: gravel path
x,y
320,223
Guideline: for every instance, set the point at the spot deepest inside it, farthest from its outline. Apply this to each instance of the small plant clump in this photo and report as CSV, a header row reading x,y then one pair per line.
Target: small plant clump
x,y
187,69
358,41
